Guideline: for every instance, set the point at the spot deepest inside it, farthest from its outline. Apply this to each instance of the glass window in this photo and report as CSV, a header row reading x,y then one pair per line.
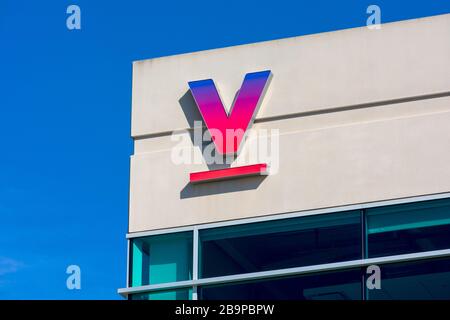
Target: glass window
x,y
341,285
281,244
163,258
408,228
424,280
180,294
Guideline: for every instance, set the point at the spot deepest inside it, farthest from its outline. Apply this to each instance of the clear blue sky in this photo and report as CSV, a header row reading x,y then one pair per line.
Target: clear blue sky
x,y
65,99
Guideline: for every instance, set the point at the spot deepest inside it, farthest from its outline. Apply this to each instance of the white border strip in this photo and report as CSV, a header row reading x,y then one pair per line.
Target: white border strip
x,y
287,272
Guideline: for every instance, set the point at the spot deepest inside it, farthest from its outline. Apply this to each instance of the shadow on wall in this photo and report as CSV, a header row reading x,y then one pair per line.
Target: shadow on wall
x,y
189,108
192,114
218,187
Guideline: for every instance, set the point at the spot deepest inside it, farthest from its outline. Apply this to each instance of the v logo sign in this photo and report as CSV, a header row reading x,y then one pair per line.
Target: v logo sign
x,y
228,130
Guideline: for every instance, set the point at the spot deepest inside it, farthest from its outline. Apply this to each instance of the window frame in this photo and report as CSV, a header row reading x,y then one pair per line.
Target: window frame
x,y
195,282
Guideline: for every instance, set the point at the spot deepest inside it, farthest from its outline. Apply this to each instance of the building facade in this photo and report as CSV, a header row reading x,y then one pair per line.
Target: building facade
x,y
357,129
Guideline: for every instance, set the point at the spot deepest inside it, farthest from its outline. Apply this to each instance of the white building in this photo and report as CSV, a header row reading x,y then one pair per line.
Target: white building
x,y
360,172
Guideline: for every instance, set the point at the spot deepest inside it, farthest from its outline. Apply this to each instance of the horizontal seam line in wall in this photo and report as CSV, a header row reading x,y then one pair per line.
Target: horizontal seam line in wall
x,y
312,113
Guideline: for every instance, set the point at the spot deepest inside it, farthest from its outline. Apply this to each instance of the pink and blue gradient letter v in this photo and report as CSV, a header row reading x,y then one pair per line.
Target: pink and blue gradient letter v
x,y
228,129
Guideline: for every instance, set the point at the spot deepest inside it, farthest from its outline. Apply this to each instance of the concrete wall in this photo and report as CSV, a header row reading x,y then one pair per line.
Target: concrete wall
x,y
363,115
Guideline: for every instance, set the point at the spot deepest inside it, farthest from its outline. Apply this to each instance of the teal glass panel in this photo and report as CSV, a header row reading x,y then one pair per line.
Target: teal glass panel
x,y
179,294
137,263
408,228
337,285
416,280
161,259
281,244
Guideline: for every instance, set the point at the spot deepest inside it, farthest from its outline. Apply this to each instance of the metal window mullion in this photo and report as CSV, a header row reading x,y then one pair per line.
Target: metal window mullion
x,y
194,293
290,271
195,262
365,252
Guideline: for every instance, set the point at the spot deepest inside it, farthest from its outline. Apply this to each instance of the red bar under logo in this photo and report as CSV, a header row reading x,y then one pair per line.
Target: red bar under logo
x,y
229,173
